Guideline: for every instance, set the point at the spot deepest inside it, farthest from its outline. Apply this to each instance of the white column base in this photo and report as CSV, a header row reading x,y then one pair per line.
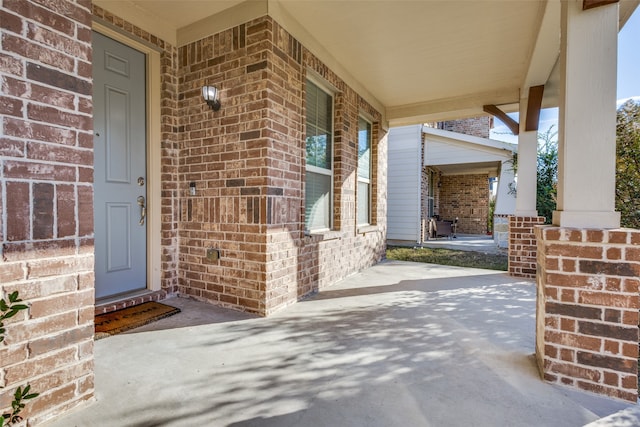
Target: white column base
x,y
581,219
526,213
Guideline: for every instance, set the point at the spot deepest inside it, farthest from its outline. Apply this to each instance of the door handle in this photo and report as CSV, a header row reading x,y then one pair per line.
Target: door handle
x,y
143,209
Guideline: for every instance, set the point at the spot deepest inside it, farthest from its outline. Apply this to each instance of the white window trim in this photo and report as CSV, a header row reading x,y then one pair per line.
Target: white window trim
x,y
359,179
331,91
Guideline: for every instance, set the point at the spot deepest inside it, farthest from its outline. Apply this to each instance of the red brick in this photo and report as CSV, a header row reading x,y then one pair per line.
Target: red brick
x,y
38,171
568,265
36,328
630,381
41,15
596,236
56,116
58,266
11,148
62,376
59,154
25,48
10,272
13,355
18,211
568,296
574,371
607,299
65,203
10,64
630,317
25,251
635,237
551,234
573,340
568,325
85,210
10,22
551,351
11,106
614,254
58,79
608,362
612,347
608,391
58,42
43,201
630,350
611,379
39,131
39,366
52,343
61,303
42,288
618,236
567,355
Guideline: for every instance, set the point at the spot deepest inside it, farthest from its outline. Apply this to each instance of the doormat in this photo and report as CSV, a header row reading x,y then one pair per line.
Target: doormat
x,y
131,317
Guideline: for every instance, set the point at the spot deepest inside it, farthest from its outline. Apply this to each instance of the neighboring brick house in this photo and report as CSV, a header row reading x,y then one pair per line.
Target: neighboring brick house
x,y
228,182
455,161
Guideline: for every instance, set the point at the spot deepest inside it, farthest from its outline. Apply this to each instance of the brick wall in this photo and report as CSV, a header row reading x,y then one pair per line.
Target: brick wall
x,y
523,245
587,312
475,126
465,197
46,156
247,164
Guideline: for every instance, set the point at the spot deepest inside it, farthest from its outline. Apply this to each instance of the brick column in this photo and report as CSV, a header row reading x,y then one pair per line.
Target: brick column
x,y
46,158
587,309
522,245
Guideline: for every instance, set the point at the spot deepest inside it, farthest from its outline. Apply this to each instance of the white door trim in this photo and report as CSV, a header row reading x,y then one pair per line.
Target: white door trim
x,y
154,151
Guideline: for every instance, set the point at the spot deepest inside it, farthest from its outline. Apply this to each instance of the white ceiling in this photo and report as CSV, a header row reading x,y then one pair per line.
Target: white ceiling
x,y
419,60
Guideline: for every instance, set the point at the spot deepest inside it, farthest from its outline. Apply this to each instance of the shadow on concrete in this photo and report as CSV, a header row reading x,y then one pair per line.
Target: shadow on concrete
x,y
400,344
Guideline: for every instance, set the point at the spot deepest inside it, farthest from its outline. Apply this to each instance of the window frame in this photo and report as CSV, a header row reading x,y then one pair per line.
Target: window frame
x,y
359,179
320,85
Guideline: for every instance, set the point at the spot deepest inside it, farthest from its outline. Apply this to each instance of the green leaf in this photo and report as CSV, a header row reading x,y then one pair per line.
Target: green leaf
x,y
31,396
26,390
13,297
11,314
18,394
3,305
19,307
1,338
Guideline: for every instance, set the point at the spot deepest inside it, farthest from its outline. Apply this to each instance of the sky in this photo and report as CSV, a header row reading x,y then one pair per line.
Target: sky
x,y
628,78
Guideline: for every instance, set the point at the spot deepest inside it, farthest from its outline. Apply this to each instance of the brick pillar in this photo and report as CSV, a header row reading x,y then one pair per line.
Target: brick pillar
x,y
46,158
587,309
522,245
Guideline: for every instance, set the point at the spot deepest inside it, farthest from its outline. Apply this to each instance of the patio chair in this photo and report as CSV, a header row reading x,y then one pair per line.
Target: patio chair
x,y
443,229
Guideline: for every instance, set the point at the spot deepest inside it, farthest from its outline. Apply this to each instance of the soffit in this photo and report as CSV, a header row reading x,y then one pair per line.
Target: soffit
x,y
417,61
490,168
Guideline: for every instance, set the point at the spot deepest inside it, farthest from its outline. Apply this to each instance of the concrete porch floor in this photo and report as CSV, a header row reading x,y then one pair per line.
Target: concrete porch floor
x,y
399,344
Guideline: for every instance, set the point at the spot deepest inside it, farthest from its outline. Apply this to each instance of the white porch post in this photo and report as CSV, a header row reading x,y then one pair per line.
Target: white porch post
x,y
527,165
587,304
587,126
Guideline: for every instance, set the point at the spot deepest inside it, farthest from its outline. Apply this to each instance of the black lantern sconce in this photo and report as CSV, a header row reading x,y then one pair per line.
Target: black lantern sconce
x,y
210,95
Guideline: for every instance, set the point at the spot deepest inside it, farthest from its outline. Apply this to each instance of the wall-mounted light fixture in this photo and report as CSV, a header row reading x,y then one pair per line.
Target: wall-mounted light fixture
x,y
210,95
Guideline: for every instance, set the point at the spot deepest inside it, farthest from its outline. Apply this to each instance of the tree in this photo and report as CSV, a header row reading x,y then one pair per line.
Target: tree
x,y
547,176
628,164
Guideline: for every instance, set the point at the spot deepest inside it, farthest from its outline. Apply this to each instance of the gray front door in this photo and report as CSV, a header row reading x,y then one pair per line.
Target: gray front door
x,y
119,102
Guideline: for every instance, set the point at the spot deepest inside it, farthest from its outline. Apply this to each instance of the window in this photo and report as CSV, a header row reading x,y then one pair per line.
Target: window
x,y
364,172
319,168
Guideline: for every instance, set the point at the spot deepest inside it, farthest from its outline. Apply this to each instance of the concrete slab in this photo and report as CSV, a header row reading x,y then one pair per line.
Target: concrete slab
x,y
399,344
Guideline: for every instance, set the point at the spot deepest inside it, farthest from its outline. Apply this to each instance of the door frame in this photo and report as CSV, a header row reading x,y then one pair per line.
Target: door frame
x,y
153,147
